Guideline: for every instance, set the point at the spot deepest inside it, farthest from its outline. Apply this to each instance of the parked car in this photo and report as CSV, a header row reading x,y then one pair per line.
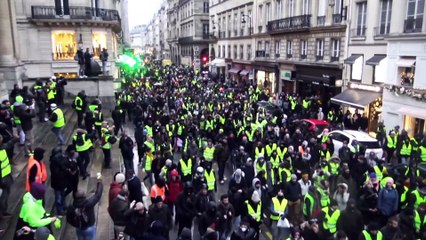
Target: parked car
x,y
367,143
270,108
312,125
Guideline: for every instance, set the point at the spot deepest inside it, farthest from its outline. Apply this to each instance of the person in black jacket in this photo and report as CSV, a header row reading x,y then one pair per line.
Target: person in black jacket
x,y
351,220
140,139
159,212
117,117
119,210
85,205
134,185
25,114
58,169
137,222
126,145
208,218
185,207
244,232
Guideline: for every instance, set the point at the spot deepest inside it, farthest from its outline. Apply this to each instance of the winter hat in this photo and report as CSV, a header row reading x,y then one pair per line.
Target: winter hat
x,y
238,172
185,234
390,180
37,190
139,206
373,175
200,169
255,197
168,162
53,106
293,177
174,172
119,178
42,233
39,153
157,199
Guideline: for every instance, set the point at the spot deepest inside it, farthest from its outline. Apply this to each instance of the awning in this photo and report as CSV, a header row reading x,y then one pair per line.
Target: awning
x,y
413,112
244,72
352,58
356,98
375,60
234,70
406,62
219,62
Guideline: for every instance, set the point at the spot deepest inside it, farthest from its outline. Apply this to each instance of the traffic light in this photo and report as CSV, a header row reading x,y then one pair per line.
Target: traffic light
x,y
204,59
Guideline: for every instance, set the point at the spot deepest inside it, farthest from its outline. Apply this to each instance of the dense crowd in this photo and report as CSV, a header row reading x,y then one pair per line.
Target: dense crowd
x,y
191,130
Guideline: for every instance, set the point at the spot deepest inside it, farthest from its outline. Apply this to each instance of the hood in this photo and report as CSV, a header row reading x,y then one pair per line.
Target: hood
x,y
344,185
255,180
115,185
174,172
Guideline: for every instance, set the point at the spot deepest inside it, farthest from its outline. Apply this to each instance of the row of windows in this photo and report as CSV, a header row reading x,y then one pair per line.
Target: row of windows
x,y
235,53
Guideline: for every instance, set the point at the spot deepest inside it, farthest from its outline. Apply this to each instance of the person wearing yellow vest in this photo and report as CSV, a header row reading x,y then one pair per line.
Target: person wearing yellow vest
x,y
417,196
420,221
82,144
41,233
210,177
278,209
404,152
36,169
284,172
185,168
422,153
32,213
51,90
107,140
253,211
58,119
6,179
311,203
79,104
329,219
390,146
371,233
209,151
98,118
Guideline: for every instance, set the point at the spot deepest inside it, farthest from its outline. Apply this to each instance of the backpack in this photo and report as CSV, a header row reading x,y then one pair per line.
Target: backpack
x,y
77,217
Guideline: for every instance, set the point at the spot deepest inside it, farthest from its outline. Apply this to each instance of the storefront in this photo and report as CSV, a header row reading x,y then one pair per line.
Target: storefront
x,y
287,79
218,66
318,81
364,99
265,76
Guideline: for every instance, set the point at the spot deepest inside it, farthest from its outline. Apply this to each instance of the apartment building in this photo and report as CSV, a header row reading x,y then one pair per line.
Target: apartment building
x,y
404,96
299,45
231,26
173,30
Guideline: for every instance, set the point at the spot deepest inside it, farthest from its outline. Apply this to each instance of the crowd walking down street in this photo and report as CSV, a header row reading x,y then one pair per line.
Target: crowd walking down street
x,y
209,159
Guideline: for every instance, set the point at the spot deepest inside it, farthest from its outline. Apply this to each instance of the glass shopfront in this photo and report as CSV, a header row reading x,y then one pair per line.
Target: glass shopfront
x,y
266,81
98,42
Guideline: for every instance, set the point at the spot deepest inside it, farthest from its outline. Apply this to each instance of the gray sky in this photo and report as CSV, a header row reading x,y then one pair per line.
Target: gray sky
x,y
142,11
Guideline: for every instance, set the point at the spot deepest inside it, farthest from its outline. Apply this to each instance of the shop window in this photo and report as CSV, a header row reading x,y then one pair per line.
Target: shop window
x,y
417,125
64,45
98,42
356,69
407,70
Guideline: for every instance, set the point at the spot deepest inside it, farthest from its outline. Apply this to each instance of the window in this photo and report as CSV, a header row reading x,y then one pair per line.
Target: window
x,y
268,12
64,45
229,25
241,52
385,17
305,7
361,18
320,49
249,52
229,51
277,48
98,42
407,70
335,50
223,52
219,51
235,52
267,48
337,7
62,7
289,49
205,30
259,16
303,49
322,6
236,24
279,9
206,7
259,45
414,20
290,8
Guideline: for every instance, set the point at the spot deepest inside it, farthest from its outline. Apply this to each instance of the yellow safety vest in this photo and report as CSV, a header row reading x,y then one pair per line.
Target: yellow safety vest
x,y
98,119
258,152
324,198
379,173
419,199
16,118
287,173
86,145
405,149
278,207
6,169
209,153
60,121
150,145
78,103
423,154
281,152
330,222
367,235
418,221
275,162
270,149
391,142
186,168
148,161
255,214
310,198
259,168
210,179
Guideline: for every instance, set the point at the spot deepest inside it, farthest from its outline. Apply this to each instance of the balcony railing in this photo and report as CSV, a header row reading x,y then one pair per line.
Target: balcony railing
x,y
235,33
334,59
337,18
260,53
382,30
229,33
319,57
301,22
358,32
412,25
50,12
321,21
242,32
303,56
222,34
185,39
289,55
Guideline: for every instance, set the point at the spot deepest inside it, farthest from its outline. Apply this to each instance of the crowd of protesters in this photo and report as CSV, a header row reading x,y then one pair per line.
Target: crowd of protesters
x,y
190,131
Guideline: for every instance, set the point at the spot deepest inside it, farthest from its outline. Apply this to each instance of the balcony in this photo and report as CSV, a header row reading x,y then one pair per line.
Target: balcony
x,y
235,33
260,53
319,57
289,55
358,32
277,55
242,32
303,56
185,40
334,59
83,13
381,31
337,18
413,25
321,21
291,24
222,34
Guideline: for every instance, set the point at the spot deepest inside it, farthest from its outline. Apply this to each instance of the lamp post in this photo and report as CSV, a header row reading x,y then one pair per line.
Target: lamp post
x,y
243,21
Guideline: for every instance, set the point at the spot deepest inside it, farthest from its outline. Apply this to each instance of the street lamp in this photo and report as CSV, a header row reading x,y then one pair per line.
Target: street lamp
x,y
243,21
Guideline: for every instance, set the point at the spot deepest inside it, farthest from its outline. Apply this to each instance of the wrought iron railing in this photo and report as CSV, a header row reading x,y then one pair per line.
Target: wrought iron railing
x,y
320,20
50,12
412,25
290,24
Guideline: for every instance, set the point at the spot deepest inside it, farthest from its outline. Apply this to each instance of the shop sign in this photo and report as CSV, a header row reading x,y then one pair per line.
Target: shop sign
x,y
364,87
285,75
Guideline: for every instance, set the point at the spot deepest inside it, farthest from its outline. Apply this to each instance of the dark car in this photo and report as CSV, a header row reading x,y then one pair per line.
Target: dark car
x,y
269,108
